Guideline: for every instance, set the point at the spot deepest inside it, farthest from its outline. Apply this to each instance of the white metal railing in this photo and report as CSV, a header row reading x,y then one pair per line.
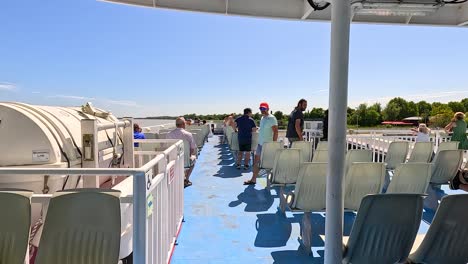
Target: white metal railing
x,y
157,128
157,199
378,140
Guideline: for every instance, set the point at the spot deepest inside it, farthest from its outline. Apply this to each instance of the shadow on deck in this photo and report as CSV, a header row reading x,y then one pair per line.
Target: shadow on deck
x,y
227,222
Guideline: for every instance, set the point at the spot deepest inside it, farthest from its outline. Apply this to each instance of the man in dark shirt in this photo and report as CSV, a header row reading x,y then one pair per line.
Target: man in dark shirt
x,y
296,122
245,126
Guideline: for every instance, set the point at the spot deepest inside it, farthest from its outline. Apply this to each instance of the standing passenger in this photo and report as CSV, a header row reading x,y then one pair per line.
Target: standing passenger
x,y
268,133
245,127
296,122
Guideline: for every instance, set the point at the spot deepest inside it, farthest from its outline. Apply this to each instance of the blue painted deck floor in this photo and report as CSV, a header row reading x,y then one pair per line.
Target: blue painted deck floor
x,y
227,222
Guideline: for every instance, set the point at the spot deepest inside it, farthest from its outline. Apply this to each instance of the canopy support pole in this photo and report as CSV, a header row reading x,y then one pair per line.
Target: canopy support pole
x,y
338,103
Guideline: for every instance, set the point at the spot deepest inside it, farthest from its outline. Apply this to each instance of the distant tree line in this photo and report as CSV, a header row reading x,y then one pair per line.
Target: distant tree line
x,y
436,114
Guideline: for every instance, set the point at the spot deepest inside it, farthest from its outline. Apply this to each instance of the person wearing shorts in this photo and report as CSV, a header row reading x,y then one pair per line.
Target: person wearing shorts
x,y
245,126
268,133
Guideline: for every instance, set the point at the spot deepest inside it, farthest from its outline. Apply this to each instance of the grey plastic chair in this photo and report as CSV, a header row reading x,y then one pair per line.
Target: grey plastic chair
x,y
448,145
410,178
363,178
286,167
234,144
446,165
306,148
14,225
396,154
82,227
422,152
267,157
357,155
285,171
309,196
385,229
322,145
320,156
446,240
229,131
254,141
150,135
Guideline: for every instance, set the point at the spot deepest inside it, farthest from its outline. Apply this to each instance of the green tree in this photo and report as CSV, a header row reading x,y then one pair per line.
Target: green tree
x,y
456,106
439,108
257,116
441,115
315,113
412,110
372,118
396,109
465,103
278,115
425,109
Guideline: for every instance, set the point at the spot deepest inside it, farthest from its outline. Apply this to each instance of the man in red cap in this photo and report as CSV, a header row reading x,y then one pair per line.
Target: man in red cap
x,y
268,133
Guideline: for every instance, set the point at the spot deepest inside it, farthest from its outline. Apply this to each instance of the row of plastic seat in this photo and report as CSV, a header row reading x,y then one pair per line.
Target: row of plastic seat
x,y
362,179
386,226
444,166
82,226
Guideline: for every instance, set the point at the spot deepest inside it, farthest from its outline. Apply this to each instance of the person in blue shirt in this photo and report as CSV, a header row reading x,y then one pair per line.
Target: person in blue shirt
x,y
268,133
137,134
245,126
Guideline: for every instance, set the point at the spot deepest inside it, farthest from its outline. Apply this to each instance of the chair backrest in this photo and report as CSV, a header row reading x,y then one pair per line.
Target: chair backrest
x,y
82,226
150,135
448,145
446,165
322,145
187,161
357,155
311,187
363,178
198,137
422,152
162,135
234,144
228,132
320,156
254,141
396,154
410,178
306,148
447,237
287,165
268,155
385,229
14,225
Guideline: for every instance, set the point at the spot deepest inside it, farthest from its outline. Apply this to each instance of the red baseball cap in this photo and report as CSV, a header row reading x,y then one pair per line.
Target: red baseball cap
x,y
264,105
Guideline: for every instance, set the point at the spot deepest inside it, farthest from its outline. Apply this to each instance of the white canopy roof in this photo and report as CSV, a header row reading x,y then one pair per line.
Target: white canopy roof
x,y
414,12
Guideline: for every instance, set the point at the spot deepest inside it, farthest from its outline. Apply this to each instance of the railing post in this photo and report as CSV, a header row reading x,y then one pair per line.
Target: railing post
x,y
90,157
139,218
129,157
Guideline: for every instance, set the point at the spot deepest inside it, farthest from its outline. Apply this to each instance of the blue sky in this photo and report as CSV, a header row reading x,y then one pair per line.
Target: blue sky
x,y
145,62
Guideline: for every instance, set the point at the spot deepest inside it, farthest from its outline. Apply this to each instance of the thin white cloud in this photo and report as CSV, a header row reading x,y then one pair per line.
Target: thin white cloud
x,y
7,86
121,102
74,97
35,92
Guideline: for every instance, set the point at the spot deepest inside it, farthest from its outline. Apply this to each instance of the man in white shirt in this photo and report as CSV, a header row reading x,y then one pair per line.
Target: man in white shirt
x,y
181,133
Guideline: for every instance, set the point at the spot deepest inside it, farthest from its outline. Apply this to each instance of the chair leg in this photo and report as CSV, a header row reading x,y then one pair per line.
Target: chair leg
x,y
282,205
306,231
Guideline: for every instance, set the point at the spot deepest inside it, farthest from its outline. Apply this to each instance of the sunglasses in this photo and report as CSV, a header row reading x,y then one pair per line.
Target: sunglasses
x,y
263,109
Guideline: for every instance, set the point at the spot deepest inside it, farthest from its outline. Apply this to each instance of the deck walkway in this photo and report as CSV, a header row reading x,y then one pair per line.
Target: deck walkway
x,y
227,222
